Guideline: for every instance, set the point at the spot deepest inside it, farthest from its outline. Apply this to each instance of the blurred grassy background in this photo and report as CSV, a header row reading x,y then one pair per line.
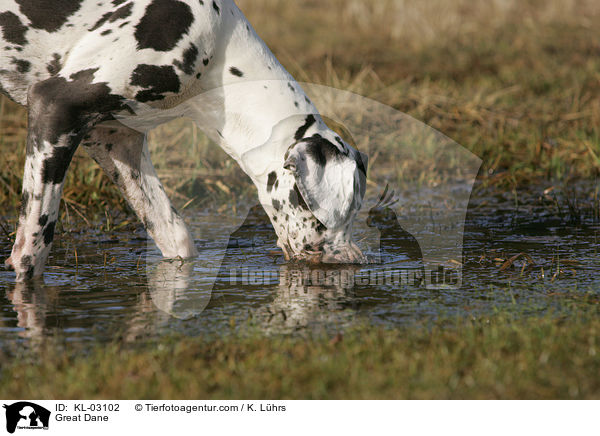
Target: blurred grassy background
x,y
516,82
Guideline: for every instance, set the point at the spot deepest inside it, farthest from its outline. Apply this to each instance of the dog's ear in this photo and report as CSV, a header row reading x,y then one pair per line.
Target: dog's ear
x,y
332,183
362,163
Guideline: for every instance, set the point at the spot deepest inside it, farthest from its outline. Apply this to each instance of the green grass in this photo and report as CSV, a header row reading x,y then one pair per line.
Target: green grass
x,y
477,358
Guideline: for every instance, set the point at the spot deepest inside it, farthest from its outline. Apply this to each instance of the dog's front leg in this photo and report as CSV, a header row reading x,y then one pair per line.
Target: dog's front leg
x,y
45,168
60,112
123,155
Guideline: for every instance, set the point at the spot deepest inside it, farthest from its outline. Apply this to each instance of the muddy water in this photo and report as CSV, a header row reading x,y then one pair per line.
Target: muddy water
x,y
112,285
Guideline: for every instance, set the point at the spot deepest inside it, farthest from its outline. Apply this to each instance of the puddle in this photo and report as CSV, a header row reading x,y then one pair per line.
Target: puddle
x,y
117,288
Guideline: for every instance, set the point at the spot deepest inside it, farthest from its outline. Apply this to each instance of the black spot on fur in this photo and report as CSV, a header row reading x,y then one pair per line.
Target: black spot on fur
x,y
55,167
64,107
205,61
135,174
189,60
291,87
320,228
108,146
271,180
276,204
360,164
149,225
157,80
54,65
49,15
296,198
24,203
320,149
236,72
26,265
310,120
49,232
121,13
25,261
43,220
84,75
106,32
216,8
13,30
117,2
29,273
111,17
163,25
201,2
23,66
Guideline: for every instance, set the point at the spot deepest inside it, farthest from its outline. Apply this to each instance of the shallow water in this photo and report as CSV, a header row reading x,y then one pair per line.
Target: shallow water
x,y
118,288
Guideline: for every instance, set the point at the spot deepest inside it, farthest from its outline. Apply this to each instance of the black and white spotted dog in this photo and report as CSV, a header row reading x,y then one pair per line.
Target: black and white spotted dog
x,y
79,65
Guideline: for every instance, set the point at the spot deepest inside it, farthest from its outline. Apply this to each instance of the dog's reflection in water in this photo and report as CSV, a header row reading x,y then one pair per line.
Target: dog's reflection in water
x,y
31,302
300,294
280,296
310,297
44,311
284,296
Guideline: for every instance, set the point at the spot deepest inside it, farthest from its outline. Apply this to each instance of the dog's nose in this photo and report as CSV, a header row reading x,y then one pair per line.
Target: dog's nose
x,y
9,265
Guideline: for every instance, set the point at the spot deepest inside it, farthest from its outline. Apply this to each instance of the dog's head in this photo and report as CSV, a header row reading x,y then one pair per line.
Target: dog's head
x,y
312,186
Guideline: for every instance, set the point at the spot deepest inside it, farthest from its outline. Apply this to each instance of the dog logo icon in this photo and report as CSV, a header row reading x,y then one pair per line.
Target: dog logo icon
x,y
26,415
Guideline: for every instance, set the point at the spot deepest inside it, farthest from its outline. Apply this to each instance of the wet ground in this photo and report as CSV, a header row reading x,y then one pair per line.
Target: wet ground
x,y
525,253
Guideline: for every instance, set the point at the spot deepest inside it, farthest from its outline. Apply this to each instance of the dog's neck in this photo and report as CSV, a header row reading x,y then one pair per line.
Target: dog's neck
x,y
243,98
246,93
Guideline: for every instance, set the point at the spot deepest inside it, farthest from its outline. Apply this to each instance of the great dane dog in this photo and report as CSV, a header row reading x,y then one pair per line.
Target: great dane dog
x,y
81,65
